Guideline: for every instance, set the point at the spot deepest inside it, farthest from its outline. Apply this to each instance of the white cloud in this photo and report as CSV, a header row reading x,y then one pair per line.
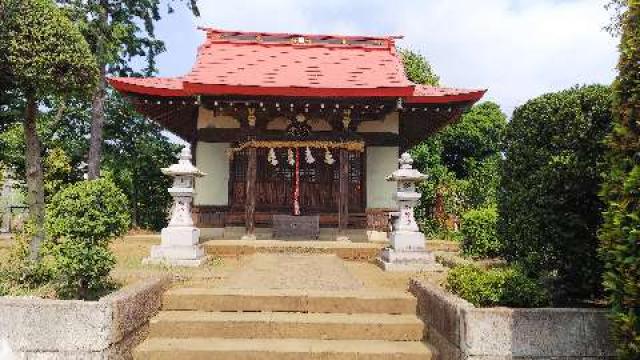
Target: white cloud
x,y
517,49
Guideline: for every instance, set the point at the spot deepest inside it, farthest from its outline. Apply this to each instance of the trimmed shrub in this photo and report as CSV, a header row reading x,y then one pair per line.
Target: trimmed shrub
x,y
496,287
479,233
81,220
548,200
620,233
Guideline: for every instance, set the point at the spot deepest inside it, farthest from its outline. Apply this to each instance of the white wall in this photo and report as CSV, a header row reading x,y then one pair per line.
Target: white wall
x,y
390,123
381,162
212,159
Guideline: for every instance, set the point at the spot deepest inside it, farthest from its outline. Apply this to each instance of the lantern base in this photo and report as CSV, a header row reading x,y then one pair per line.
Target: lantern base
x,y
175,262
407,241
180,246
410,261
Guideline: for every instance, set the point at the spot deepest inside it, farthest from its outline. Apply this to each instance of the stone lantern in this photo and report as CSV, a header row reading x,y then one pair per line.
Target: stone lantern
x,y
180,239
408,250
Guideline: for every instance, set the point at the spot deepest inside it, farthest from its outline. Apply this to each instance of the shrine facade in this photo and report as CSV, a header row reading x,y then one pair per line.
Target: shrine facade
x,y
296,124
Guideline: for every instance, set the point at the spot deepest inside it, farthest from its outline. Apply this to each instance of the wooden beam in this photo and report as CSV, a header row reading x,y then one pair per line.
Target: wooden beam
x,y
250,205
343,196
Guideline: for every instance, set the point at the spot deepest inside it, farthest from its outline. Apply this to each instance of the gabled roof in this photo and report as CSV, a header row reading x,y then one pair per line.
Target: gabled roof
x,y
276,64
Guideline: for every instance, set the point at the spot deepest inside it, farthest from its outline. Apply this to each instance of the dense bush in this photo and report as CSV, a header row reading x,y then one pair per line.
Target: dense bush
x,y
548,200
479,233
81,220
620,233
496,287
21,276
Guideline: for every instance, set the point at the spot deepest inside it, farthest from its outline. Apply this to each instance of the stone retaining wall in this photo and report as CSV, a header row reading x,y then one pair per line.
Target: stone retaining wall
x,y
70,329
458,330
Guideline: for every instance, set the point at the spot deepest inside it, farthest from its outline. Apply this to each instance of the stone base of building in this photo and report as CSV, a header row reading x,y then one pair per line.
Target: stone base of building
x,y
413,261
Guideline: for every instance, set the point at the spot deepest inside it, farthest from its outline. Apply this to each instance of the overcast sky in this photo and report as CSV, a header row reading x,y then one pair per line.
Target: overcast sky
x,y
517,49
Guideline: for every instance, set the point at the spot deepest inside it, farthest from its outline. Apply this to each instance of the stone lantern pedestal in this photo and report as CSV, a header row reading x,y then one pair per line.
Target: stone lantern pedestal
x,y
408,250
180,245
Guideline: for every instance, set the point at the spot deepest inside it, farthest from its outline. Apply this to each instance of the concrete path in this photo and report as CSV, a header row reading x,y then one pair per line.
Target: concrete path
x,y
290,271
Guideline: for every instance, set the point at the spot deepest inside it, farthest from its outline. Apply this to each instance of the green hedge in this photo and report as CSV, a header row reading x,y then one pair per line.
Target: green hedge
x,y
620,233
496,287
548,198
479,233
81,221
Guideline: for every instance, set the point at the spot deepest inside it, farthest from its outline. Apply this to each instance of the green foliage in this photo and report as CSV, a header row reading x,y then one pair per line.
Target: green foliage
x,y
135,152
477,136
89,211
45,53
462,163
58,171
483,181
19,276
80,269
119,30
479,233
496,287
418,69
620,232
82,219
548,203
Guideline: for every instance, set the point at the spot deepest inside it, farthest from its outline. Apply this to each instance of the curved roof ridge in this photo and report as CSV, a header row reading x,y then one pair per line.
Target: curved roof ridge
x,y
306,35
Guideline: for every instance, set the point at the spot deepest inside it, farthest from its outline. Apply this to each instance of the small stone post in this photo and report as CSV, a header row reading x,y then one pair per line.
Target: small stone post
x,y
180,244
408,250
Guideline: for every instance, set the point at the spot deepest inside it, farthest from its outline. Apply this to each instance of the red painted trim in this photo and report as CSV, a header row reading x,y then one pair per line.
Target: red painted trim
x,y
206,89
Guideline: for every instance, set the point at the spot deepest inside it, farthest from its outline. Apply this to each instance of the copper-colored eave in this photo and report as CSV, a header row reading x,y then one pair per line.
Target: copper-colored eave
x,y
192,89
471,97
127,87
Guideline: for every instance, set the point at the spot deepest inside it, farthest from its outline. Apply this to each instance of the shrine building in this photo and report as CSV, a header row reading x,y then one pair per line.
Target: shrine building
x,y
295,124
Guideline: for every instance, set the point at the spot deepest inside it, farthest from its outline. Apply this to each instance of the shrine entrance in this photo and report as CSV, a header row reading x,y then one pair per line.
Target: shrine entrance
x,y
319,181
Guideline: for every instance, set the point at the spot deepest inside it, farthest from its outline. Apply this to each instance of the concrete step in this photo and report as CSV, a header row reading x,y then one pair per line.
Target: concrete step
x,y
281,349
185,324
343,302
358,251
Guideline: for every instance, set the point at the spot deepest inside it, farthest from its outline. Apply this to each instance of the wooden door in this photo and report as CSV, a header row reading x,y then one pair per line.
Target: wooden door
x,y
319,183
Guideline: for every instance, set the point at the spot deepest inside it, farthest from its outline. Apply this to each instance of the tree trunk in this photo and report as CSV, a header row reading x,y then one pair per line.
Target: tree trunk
x,y
35,176
97,124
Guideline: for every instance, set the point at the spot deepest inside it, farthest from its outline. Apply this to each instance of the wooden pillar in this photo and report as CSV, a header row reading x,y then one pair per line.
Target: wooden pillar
x,y
250,195
343,196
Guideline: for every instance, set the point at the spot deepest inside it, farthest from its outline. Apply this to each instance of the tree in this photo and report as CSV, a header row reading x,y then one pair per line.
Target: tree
x,y
620,234
548,197
117,30
477,136
135,151
418,69
462,163
46,57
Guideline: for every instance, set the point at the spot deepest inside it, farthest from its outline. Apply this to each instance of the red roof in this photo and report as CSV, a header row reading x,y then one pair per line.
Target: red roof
x,y
274,64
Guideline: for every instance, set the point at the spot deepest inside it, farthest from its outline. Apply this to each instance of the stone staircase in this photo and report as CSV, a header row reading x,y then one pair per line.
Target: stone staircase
x,y
211,323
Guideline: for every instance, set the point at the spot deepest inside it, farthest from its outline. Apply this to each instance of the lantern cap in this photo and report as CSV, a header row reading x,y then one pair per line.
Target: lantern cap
x,y
406,172
184,166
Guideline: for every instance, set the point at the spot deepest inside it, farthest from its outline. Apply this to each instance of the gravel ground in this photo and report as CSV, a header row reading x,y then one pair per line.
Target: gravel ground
x,y
284,271
261,271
